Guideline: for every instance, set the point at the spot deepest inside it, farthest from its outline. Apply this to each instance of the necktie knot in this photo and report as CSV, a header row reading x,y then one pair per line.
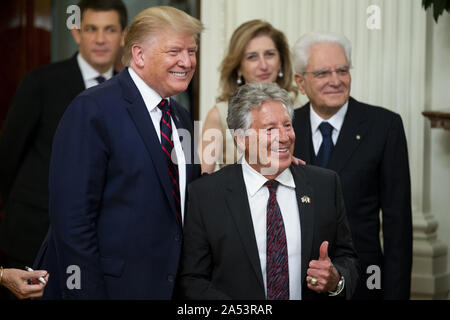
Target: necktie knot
x,y
100,79
272,185
326,129
164,105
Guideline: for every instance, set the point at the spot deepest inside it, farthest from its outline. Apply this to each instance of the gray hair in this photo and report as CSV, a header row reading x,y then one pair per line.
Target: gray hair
x,y
251,96
300,51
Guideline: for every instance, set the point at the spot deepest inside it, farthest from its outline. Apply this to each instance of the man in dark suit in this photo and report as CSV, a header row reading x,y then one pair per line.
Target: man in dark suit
x,y
266,229
40,101
116,192
366,146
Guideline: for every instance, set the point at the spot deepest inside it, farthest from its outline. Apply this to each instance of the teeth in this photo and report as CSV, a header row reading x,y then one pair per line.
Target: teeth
x,y
282,150
179,74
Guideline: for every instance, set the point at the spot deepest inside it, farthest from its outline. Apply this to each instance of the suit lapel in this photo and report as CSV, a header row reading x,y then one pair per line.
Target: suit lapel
x,y
237,201
352,133
143,122
305,201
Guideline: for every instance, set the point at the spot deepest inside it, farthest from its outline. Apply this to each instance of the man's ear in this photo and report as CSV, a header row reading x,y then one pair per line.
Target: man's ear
x,y
137,53
122,39
300,81
76,35
239,138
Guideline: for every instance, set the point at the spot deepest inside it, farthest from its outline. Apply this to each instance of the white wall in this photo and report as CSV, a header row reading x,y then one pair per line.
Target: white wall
x,y
438,99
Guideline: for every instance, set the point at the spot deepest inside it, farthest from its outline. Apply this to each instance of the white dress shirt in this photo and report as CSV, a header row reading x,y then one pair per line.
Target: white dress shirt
x,y
151,100
89,73
258,195
336,121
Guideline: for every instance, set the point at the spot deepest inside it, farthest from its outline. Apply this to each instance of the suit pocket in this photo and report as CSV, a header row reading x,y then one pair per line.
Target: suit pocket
x,y
112,266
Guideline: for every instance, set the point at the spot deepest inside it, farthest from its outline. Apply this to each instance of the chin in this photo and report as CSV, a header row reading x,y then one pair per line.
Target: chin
x,y
278,165
177,90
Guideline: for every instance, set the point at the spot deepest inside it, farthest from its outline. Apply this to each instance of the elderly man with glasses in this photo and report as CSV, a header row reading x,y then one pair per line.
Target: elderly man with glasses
x,y
366,146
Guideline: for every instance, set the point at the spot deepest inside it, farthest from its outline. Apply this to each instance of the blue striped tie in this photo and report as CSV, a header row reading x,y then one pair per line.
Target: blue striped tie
x,y
167,147
277,266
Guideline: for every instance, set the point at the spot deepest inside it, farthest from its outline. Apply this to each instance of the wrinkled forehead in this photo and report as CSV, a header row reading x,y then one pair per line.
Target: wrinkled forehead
x,y
270,112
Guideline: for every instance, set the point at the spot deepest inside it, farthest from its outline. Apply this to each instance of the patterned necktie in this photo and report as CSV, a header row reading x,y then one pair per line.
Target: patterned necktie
x,y
277,267
326,148
167,147
100,79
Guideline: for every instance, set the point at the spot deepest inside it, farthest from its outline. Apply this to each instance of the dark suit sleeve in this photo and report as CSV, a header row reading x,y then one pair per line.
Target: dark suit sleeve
x,y
344,258
395,196
77,177
23,117
196,259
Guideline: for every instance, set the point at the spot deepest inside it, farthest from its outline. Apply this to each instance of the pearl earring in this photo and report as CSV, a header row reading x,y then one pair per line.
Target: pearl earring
x,y
239,80
280,74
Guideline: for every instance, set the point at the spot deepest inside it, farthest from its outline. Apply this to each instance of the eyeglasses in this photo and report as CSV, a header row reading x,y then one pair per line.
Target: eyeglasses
x,y
323,74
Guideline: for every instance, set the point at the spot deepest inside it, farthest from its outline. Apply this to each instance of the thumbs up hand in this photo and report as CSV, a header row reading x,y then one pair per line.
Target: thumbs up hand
x,y
322,276
323,252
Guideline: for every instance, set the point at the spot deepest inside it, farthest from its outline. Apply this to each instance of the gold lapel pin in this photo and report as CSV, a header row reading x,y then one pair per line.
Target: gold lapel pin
x,y
358,137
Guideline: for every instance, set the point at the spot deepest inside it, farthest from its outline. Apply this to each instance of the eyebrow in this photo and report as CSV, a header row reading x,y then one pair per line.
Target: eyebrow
x,y
253,52
97,26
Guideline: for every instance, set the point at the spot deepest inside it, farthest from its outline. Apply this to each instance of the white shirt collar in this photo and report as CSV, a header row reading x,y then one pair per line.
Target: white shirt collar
x,y
336,120
150,96
89,73
254,180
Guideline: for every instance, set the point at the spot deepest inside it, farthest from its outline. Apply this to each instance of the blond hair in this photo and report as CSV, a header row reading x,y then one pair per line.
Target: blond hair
x,y
236,50
154,20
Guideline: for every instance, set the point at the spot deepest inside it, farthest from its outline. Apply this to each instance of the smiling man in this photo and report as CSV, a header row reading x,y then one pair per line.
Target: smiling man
x,y
119,171
366,146
267,229
41,99
100,35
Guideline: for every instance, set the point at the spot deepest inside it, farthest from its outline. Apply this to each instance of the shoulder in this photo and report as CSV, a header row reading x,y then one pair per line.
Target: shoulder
x,y
213,118
375,113
59,68
101,99
217,180
314,175
222,106
50,74
302,111
311,170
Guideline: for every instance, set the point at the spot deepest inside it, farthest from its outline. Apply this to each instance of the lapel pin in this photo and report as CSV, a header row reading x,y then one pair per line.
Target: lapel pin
x,y
306,199
358,137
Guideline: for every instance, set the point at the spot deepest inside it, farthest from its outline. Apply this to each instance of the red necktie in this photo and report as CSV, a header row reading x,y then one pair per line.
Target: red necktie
x,y
277,267
167,147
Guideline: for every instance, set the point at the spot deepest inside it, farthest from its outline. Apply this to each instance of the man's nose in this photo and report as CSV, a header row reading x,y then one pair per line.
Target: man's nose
x,y
334,79
281,135
100,36
284,135
186,59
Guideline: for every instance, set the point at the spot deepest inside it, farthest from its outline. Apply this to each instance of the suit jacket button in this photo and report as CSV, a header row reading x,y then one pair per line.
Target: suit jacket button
x,y
178,238
170,278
